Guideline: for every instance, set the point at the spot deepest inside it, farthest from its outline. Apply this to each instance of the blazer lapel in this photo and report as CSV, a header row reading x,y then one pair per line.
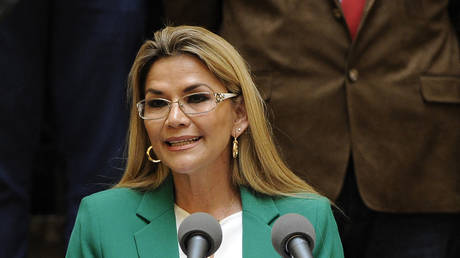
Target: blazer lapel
x,y
369,4
367,8
156,239
259,213
157,210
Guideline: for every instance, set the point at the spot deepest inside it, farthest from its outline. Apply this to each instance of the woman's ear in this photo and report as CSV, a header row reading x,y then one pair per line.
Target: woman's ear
x,y
240,124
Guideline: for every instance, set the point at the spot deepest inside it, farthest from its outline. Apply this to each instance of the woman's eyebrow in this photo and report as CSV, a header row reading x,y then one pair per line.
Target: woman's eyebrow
x,y
186,90
153,91
194,86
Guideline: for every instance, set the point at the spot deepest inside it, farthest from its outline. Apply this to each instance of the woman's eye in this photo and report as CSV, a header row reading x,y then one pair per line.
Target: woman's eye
x,y
197,98
156,103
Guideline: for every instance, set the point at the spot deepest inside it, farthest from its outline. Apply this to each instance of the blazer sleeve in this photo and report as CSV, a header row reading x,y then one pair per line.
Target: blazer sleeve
x,y
328,243
84,240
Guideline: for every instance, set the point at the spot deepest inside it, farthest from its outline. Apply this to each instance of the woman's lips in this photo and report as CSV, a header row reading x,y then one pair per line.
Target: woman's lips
x,y
182,143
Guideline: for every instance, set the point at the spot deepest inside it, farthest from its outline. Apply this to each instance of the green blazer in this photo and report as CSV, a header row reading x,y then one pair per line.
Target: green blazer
x,y
127,223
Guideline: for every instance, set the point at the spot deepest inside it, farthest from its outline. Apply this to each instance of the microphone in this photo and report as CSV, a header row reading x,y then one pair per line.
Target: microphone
x,y
200,235
293,236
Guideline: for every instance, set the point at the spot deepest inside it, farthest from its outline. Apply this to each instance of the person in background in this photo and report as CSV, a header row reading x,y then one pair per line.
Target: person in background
x,y
66,60
365,103
198,142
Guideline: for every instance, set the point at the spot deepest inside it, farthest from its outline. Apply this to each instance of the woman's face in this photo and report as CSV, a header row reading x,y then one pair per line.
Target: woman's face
x,y
190,143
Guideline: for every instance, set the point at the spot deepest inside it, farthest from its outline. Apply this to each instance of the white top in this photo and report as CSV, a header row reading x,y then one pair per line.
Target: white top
x,y
232,234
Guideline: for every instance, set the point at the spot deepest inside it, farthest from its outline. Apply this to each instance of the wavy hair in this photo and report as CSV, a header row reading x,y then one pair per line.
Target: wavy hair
x,y
259,165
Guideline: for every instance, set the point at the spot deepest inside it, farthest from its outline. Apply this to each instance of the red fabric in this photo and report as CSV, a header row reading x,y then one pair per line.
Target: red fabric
x,y
353,10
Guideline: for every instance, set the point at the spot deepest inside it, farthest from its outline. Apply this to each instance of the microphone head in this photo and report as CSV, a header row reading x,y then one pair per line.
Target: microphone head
x,y
289,226
203,224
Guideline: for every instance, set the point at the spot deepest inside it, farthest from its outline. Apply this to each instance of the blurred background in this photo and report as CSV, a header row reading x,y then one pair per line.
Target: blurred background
x,y
63,109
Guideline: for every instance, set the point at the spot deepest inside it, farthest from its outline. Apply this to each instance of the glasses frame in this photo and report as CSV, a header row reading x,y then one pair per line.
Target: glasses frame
x,y
219,96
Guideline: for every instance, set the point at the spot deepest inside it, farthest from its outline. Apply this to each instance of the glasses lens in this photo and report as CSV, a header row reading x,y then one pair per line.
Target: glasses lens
x,y
154,108
200,102
191,104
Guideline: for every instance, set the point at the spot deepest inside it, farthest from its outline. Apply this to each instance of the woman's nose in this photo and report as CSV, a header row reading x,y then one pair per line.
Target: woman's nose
x,y
176,116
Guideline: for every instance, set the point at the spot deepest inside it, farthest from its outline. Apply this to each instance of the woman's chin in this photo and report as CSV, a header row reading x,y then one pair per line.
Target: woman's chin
x,y
183,167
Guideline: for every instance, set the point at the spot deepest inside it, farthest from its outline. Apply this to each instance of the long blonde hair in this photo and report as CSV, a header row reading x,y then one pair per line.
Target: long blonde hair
x,y
259,165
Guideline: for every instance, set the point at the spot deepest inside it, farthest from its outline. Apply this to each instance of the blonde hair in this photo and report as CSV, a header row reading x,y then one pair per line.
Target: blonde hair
x,y
259,165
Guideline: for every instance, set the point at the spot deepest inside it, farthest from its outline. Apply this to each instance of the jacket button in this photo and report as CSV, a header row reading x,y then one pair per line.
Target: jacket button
x,y
353,75
337,13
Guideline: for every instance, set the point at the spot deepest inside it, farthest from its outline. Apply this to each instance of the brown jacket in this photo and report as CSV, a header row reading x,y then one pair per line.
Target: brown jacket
x,y
391,98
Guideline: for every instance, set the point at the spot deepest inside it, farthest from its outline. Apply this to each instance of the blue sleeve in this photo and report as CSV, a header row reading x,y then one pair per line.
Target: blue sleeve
x,y
84,241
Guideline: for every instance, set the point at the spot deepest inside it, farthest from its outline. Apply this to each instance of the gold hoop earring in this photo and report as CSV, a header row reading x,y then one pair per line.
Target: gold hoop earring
x,y
150,158
235,148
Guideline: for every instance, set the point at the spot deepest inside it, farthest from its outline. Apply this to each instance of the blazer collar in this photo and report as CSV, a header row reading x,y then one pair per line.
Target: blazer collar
x,y
157,210
367,7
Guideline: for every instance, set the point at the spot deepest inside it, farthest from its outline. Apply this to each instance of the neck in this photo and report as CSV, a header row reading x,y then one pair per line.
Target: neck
x,y
210,192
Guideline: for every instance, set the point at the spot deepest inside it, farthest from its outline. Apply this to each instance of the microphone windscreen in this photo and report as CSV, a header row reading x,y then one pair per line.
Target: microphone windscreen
x,y
202,224
288,226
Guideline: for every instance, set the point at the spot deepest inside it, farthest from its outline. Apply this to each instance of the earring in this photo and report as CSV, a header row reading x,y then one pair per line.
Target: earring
x,y
235,144
235,148
150,158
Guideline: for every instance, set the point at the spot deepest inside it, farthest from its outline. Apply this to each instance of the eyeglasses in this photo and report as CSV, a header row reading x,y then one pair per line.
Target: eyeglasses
x,y
191,104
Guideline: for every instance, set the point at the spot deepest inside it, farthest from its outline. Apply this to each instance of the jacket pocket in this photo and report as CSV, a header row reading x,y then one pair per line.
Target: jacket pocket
x,y
441,89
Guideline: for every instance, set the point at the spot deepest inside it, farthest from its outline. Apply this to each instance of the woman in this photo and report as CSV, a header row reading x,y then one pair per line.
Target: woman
x,y
198,141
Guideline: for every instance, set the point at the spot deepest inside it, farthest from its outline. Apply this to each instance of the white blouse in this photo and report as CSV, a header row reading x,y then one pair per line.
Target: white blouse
x,y
232,234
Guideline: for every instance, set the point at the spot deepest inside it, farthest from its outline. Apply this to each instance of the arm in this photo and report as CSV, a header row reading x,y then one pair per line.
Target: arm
x,y
84,241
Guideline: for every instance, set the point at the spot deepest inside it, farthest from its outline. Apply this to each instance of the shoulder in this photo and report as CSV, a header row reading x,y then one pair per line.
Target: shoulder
x,y
99,212
308,204
111,200
105,218
316,208
115,193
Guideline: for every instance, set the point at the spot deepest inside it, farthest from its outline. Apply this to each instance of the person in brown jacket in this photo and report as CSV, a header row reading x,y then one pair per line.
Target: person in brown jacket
x,y
370,114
